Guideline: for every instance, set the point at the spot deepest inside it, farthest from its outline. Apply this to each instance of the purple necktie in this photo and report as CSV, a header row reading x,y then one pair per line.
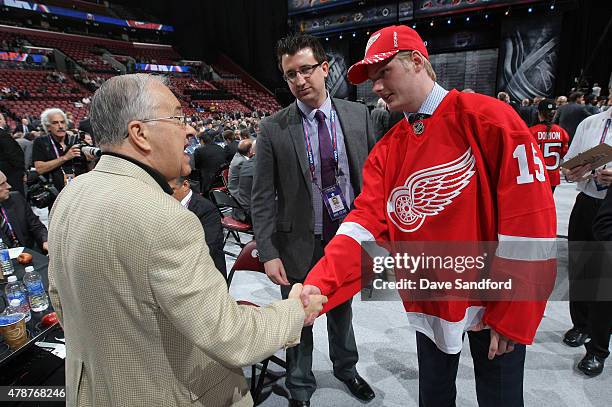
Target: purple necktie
x,y
328,173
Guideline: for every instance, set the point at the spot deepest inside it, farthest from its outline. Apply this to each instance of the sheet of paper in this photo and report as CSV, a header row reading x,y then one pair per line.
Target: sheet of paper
x,y
58,349
596,156
15,252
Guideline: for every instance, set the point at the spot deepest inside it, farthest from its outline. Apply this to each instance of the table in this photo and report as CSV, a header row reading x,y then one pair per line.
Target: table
x,y
35,331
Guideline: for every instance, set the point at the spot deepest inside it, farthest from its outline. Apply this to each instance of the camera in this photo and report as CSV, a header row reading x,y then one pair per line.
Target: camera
x,y
41,192
86,148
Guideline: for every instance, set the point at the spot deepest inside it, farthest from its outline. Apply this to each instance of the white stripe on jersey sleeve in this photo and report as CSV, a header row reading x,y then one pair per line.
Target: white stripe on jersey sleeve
x,y
526,248
360,234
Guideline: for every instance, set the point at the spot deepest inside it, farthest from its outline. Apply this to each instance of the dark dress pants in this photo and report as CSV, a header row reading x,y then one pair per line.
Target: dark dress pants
x,y
342,348
499,382
580,240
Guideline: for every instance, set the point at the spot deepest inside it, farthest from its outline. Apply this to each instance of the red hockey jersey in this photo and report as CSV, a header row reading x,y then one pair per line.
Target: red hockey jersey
x,y
474,174
554,145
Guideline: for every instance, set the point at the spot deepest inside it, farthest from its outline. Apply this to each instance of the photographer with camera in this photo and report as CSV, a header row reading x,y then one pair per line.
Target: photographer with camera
x,y
89,152
56,155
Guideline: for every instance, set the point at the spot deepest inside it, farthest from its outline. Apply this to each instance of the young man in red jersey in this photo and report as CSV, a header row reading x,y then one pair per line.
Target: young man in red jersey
x,y
552,139
461,167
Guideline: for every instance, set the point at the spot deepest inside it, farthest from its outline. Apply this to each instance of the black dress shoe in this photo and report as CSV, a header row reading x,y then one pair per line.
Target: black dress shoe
x,y
575,338
359,388
298,403
591,365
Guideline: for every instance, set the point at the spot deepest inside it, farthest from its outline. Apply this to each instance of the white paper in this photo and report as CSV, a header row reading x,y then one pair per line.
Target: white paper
x,y
15,252
58,349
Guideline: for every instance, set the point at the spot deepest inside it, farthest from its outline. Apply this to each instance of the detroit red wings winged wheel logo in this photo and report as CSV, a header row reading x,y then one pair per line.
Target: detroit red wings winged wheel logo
x,y
429,191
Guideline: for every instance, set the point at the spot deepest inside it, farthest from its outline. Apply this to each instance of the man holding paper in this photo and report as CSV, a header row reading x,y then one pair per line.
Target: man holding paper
x,y
591,132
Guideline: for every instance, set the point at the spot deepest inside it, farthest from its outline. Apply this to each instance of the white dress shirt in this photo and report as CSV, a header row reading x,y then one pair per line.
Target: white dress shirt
x,y
588,135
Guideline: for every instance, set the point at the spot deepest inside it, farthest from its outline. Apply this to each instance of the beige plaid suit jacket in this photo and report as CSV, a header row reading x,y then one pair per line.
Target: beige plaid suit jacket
x,y
147,317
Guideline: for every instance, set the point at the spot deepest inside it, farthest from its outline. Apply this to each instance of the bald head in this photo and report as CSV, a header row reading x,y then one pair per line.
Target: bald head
x,y
245,146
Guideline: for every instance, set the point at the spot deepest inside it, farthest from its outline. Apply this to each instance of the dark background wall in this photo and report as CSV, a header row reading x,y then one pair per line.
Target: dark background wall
x,y
247,30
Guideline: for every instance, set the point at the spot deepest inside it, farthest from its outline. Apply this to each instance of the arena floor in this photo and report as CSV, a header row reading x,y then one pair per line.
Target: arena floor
x,y
388,360
387,350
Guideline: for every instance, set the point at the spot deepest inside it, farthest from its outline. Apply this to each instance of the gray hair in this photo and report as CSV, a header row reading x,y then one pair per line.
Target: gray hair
x,y
381,104
44,117
120,100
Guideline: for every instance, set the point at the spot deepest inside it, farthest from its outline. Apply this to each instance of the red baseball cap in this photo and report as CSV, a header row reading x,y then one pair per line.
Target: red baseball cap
x,y
384,44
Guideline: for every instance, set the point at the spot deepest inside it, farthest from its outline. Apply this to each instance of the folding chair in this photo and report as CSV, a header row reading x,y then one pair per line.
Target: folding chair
x,y
224,175
233,226
248,260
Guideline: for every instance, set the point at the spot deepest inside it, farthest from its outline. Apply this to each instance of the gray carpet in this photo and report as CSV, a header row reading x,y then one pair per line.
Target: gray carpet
x,y
388,360
387,350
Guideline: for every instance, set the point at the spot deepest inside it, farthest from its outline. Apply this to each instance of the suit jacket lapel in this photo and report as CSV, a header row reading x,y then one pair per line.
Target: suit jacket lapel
x,y
296,131
11,212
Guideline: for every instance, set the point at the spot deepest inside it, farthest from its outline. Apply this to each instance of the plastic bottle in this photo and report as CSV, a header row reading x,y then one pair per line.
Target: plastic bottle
x,y
5,260
36,290
14,290
13,308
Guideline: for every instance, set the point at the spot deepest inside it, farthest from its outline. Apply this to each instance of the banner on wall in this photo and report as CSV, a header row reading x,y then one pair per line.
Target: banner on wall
x,y
436,7
19,57
162,68
306,6
337,84
81,15
528,57
467,69
352,19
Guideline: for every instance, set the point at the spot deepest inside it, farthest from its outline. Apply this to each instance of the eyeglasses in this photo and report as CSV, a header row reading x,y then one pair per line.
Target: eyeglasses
x,y
180,120
305,71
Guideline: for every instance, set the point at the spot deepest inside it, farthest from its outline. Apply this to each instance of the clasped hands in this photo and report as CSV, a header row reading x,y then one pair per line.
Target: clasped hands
x,y
311,297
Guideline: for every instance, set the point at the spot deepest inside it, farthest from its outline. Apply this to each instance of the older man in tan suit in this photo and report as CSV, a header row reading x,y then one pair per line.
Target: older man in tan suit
x,y
147,317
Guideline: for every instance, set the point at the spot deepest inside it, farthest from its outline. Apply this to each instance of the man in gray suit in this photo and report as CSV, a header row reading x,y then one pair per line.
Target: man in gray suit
x,y
147,316
309,159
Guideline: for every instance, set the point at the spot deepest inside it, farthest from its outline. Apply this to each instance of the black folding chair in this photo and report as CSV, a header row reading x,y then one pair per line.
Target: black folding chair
x,y
248,260
226,204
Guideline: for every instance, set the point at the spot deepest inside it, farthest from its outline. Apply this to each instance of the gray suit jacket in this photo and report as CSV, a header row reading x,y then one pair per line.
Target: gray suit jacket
x,y
147,316
285,229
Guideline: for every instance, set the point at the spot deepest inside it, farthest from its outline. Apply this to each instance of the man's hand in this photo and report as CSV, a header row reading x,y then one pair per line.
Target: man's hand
x,y
314,302
499,344
296,291
46,247
576,173
73,152
309,292
604,176
276,272
88,156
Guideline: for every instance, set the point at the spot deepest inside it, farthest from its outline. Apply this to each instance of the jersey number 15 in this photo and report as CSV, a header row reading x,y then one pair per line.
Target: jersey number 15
x,y
525,176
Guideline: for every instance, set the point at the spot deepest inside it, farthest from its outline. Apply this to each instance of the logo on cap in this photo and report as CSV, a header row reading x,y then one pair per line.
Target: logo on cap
x,y
371,41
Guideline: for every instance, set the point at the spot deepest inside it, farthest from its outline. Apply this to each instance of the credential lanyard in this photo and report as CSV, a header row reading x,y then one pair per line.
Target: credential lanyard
x,y
309,150
56,152
605,131
10,227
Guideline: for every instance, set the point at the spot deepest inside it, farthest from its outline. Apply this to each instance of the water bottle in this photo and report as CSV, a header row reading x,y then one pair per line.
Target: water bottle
x,y
13,308
5,260
14,290
36,290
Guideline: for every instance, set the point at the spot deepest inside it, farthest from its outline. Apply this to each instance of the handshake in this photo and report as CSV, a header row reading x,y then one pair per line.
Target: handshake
x,y
311,299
